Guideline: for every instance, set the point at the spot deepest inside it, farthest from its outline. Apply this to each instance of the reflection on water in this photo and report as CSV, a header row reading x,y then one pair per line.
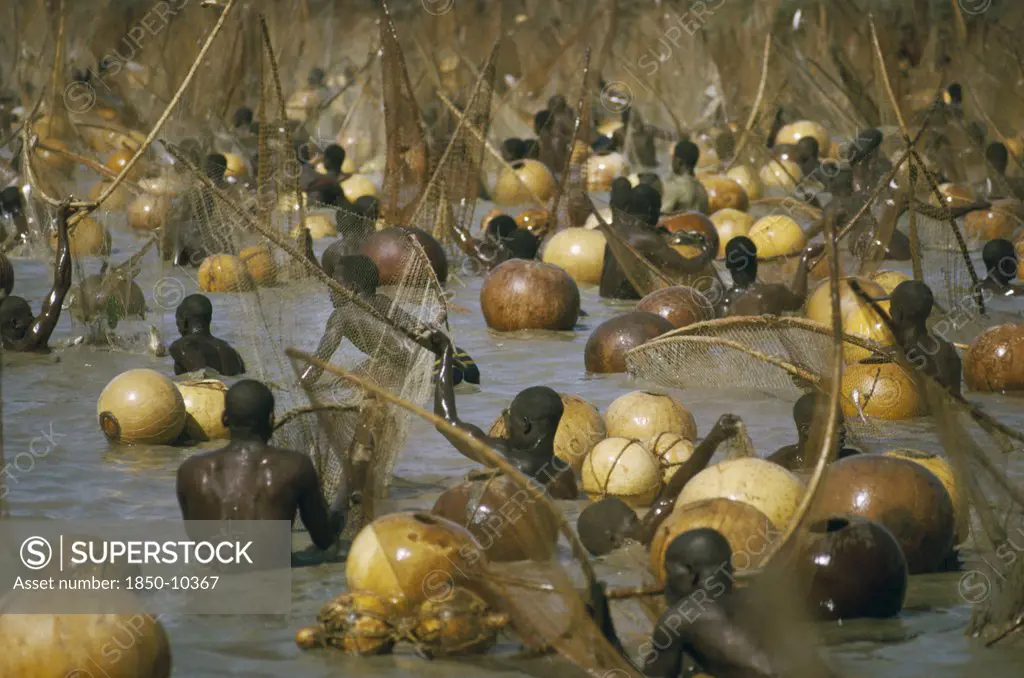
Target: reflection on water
x,y
85,478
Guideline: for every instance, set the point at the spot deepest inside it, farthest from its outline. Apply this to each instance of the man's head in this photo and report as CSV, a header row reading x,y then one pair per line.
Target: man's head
x,y
603,144
15,318
807,149
10,200
1001,260
368,206
522,244
865,145
685,157
356,272
194,314
242,117
249,410
500,228
910,304
741,257
806,409
605,525
334,158
531,149
215,166
997,156
513,149
620,192
697,559
645,204
533,416
557,104
316,77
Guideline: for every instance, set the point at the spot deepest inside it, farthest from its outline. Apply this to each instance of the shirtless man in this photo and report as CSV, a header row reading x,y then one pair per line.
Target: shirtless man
x,y
909,307
20,330
747,296
1003,265
531,421
796,457
707,628
638,226
682,191
250,480
609,523
197,348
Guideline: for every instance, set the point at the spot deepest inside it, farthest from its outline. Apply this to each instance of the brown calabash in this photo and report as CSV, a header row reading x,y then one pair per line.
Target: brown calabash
x,y
995,360
855,568
905,497
529,295
503,518
679,305
393,252
606,348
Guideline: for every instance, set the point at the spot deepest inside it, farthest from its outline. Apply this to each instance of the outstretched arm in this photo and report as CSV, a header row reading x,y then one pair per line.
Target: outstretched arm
x,y
444,402
44,325
324,524
798,290
726,427
329,343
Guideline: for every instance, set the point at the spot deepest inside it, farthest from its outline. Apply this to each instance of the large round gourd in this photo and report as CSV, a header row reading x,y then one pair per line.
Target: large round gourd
x,y
141,406
224,273
768,487
204,407
578,251
410,557
748,531
641,415
83,645
621,468
529,295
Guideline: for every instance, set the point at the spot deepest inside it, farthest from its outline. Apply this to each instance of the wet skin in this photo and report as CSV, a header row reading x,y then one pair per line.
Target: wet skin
x,y
251,480
748,296
652,244
536,459
706,623
198,349
24,332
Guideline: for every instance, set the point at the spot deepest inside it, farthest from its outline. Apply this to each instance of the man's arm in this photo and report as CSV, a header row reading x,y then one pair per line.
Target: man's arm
x,y
664,659
444,403
324,524
329,343
725,428
798,290
49,314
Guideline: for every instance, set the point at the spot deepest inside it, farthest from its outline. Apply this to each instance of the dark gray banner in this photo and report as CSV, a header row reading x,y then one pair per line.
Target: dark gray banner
x,y
195,567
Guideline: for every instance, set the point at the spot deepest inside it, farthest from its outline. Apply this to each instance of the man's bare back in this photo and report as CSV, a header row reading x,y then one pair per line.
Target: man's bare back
x,y
251,480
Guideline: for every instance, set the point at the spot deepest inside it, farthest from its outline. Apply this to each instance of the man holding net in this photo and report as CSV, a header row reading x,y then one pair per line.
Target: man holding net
x,y
748,296
532,421
250,480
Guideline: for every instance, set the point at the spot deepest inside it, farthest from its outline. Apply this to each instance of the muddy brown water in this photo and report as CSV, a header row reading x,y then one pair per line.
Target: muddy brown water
x,y
84,477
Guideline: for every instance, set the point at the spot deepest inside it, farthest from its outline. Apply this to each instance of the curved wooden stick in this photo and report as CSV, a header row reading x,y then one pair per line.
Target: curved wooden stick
x,y
757,103
514,474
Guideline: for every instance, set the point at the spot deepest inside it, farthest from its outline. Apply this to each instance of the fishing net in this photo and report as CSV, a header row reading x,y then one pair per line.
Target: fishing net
x,y
406,170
